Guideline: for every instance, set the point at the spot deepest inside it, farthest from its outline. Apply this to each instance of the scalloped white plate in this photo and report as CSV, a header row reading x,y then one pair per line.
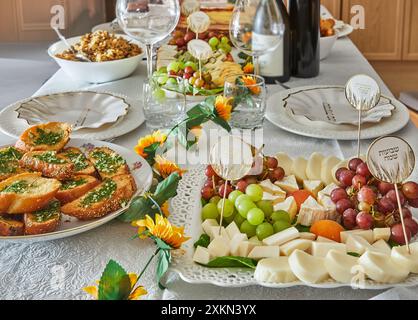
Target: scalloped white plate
x,y
70,226
186,207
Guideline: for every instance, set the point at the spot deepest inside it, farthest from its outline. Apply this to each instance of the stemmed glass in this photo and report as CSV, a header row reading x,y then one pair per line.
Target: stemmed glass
x,y
148,21
256,27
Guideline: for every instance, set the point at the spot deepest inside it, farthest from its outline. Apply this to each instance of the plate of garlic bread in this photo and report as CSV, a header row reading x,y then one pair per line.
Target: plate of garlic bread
x,y
53,187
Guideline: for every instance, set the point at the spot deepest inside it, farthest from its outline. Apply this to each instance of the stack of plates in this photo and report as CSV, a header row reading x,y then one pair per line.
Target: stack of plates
x,y
93,115
323,112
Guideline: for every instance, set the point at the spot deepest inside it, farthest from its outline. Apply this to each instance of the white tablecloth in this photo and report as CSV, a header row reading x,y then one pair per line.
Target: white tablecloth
x,y
59,269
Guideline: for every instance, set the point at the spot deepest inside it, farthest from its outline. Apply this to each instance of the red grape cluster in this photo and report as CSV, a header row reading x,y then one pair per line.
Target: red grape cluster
x,y
365,203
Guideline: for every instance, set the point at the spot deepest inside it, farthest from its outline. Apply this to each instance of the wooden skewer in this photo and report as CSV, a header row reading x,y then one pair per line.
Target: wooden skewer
x,y
402,220
359,133
223,207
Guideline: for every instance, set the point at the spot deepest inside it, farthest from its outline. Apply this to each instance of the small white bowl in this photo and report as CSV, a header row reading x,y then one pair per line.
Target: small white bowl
x,y
326,44
95,72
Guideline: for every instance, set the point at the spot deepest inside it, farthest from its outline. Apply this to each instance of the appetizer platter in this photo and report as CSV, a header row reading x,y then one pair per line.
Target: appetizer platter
x,y
323,222
53,187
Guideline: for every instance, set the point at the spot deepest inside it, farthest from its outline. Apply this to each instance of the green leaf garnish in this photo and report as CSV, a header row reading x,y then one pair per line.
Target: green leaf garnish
x,y
114,283
203,241
232,262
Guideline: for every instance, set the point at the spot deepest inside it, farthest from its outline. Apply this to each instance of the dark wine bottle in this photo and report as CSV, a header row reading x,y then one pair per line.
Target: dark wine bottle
x,y
276,66
304,24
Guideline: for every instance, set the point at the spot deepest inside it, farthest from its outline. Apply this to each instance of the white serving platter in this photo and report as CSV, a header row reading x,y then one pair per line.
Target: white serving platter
x,y
70,226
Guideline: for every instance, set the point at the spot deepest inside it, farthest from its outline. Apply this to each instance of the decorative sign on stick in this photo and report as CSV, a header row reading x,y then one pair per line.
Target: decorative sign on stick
x,y
232,159
391,159
201,50
190,6
198,22
363,93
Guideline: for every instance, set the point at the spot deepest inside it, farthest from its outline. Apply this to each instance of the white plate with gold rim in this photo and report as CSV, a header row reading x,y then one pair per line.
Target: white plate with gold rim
x,y
186,211
70,226
13,126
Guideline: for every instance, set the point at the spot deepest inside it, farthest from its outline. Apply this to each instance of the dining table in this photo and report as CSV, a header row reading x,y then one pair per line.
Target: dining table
x,y
59,269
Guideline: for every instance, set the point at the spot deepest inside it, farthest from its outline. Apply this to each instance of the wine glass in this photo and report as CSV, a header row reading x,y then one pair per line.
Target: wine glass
x,y
148,21
256,27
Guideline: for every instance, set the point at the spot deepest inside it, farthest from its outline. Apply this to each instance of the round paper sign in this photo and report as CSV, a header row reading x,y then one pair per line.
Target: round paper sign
x,y
231,158
362,92
390,159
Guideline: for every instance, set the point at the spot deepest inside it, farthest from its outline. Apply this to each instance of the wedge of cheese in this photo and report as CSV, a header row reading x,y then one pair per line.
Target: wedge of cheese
x,y
323,239
359,245
274,270
288,184
245,248
282,237
214,233
232,230
321,249
313,186
298,169
379,268
382,246
236,242
285,162
314,166
401,256
274,198
201,255
328,189
271,188
207,224
310,212
255,241
297,244
289,205
307,268
340,265
365,234
326,171
262,252
381,233
330,208
219,248
307,236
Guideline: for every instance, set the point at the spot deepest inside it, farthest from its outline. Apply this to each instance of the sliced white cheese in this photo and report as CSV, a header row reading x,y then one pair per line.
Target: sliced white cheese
x,y
321,249
271,188
274,198
288,184
255,241
236,242
401,256
358,244
339,265
214,233
201,255
328,189
207,224
264,252
323,239
232,230
310,212
245,248
326,171
382,246
307,236
307,268
313,186
282,237
274,270
314,166
285,162
296,244
365,234
381,233
218,247
289,205
379,268
299,168
341,164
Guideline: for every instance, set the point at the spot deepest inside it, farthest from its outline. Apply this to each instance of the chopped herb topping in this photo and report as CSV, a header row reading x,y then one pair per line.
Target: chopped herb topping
x,y
107,163
73,183
50,212
16,187
9,160
79,160
106,190
44,137
50,157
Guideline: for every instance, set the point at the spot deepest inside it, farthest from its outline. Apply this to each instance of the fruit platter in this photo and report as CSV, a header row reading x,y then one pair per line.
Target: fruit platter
x,y
322,222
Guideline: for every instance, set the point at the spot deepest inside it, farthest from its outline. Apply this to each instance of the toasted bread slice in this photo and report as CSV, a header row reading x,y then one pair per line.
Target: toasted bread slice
x,y
9,162
76,187
26,192
11,226
108,163
49,163
51,136
43,221
107,197
81,164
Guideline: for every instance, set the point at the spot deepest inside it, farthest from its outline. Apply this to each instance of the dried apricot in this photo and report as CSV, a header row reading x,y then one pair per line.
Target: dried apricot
x,y
328,229
301,196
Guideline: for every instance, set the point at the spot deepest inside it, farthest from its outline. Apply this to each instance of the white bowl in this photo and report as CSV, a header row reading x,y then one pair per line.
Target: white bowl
x,y
95,72
326,44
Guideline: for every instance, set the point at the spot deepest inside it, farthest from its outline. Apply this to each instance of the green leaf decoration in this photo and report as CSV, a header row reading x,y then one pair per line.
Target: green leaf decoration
x,y
114,283
150,151
164,259
167,189
161,244
354,254
232,262
302,228
203,241
221,122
